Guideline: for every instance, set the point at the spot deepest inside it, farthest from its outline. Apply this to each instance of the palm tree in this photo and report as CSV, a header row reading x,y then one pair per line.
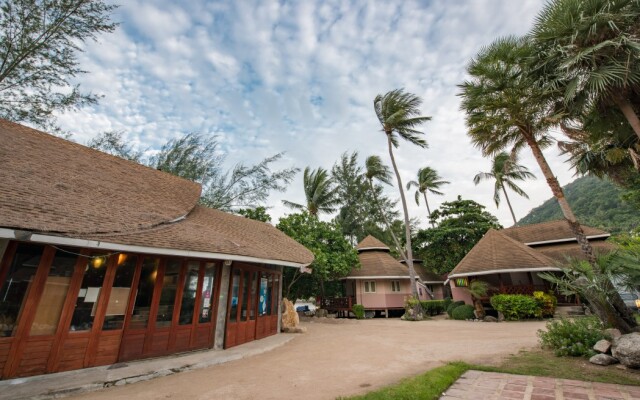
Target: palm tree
x,y
505,108
589,53
319,192
478,289
505,170
375,169
428,181
399,115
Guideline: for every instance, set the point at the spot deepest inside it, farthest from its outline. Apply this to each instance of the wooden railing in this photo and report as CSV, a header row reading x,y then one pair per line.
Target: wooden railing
x,y
337,303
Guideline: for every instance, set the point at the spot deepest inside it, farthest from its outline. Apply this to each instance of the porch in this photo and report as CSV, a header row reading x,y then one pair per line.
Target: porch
x,y
340,305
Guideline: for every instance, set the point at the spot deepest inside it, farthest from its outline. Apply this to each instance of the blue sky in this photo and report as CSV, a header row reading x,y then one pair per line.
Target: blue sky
x,y
300,77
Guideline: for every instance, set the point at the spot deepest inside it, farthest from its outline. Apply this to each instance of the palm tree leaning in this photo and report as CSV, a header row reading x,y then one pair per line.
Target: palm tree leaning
x,y
375,169
505,170
428,181
505,108
399,115
319,191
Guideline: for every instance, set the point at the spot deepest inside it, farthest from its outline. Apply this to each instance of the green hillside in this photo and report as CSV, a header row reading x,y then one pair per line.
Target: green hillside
x,y
595,202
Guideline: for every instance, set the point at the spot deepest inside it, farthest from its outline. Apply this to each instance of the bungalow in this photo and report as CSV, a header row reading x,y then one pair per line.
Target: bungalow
x,y
104,260
509,260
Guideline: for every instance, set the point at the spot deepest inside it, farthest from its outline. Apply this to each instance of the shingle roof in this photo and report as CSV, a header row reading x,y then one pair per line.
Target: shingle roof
x,y
560,252
547,231
423,272
496,251
371,242
379,263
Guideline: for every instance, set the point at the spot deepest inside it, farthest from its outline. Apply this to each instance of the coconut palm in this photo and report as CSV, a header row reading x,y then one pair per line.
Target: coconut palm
x,y
399,115
375,169
428,181
319,192
589,53
506,109
478,289
505,170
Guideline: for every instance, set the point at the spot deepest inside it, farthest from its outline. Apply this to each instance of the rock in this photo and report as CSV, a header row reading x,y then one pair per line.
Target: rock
x,y
489,318
290,318
603,359
500,316
627,350
613,333
296,329
602,346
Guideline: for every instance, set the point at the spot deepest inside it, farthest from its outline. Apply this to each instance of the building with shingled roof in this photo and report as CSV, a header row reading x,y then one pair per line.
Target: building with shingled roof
x,y
104,260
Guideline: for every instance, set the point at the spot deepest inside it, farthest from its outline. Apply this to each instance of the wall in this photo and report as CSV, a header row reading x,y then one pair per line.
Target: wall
x,y
460,294
383,297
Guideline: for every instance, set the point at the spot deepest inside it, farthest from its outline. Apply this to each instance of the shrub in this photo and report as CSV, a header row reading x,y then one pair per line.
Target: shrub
x,y
572,337
547,303
516,306
433,307
358,310
452,306
447,302
463,312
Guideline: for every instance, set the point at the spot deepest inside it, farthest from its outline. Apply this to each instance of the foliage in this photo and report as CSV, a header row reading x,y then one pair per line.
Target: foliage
x,y
433,307
572,337
515,307
334,255
447,302
463,312
453,306
460,225
478,289
358,310
113,143
547,304
39,43
319,192
258,214
596,202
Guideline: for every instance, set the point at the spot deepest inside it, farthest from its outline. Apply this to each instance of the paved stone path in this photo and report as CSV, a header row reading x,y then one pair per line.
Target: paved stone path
x,y
495,386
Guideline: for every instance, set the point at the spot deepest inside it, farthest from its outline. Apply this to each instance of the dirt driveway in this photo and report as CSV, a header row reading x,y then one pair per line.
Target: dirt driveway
x,y
340,358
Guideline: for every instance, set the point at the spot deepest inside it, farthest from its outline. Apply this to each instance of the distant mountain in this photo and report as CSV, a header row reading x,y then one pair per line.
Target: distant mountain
x,y
595,202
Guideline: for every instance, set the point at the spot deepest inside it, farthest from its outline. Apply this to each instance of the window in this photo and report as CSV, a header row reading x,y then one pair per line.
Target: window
x,y
369,286
206,299
395,286
119,298
168,293
189,293
85,309
144,296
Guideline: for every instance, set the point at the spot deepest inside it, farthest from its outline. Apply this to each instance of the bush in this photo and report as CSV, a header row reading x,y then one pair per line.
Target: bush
x,y
547,303
358,310
433,307
447,302
463,312
452,306
516,306
572,337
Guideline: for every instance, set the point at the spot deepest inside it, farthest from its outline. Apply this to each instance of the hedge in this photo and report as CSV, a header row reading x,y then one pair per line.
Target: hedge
x,y
463,312
516,306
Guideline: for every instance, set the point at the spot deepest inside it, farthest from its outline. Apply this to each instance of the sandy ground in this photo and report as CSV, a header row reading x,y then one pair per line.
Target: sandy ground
x,y
340,358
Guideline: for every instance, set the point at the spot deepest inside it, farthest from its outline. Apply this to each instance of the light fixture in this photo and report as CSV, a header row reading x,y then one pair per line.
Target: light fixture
x,y
97,262
122,257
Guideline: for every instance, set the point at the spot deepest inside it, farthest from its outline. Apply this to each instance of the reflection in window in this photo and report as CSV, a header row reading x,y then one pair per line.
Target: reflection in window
x,y
254,285
144,295
189,293
16,285
245,296
235,287
94,272
168,293
54,293
206,305
119,298
263,299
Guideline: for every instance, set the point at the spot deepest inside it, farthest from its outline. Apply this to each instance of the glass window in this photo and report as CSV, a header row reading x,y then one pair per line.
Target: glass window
x,y
16,285
168,293
264,301
54,293
395,286
206,301
92,280
369,286
245,296
189,293
144,295
235,288
119,298
252,298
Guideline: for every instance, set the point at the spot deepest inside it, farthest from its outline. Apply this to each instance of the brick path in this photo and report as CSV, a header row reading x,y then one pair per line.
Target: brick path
x,y
495,386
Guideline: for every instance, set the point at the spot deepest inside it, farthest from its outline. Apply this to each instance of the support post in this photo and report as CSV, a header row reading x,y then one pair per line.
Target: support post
x,y
221,317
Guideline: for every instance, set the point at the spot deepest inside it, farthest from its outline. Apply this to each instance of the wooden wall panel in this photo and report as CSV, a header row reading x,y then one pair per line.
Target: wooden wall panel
x,y
182,340
73,352
108,348
159,343
131,347
34,357
203,336
5,346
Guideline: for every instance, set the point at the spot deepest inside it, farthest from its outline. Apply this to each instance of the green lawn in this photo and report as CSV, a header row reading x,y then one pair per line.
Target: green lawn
x,y
433,383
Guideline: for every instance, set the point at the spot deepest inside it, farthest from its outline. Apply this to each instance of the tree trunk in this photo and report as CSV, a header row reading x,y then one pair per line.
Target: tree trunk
x,y
477,304
506,197
615,301
426,202
627,109
386,222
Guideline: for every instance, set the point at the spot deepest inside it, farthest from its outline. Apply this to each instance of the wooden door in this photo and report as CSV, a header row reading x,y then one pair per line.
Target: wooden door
x,y
267,321
242,306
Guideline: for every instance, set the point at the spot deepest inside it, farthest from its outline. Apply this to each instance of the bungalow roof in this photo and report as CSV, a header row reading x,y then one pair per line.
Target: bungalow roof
x,y
548,232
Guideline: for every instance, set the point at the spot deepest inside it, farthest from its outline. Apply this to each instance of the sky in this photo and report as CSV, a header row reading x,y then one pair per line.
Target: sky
x,y
300,77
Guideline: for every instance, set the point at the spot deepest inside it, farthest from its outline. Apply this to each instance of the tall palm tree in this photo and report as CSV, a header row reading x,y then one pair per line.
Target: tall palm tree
x,y
375,169
399,115
505,108
505,170
428,181
319,192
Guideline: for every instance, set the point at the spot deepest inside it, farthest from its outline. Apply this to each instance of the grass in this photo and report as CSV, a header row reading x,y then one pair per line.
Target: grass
x,y
431,384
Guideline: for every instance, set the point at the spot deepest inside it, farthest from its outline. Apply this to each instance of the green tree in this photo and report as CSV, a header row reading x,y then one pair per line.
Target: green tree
x,y
39,43
399,115
506,108
334,255
112,142
258,214
459,225
319,191
428,181
505,170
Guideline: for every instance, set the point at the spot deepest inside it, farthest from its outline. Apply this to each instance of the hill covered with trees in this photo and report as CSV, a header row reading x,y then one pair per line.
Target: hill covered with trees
x,y
596,202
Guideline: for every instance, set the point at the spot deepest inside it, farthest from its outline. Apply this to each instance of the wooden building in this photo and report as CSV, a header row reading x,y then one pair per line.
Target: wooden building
x,y
104,260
